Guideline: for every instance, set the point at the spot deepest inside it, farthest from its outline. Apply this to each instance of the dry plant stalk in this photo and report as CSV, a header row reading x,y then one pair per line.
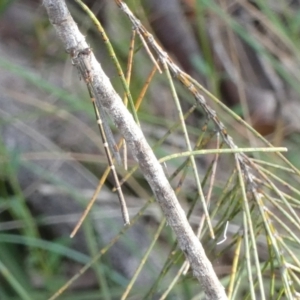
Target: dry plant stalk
x,y
81,61
71,38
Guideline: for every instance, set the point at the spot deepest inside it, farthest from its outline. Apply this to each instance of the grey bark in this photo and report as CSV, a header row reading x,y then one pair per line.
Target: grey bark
x,y
71,38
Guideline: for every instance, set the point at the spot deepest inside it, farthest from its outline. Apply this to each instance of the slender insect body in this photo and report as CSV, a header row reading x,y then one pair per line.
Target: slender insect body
x,y
81,60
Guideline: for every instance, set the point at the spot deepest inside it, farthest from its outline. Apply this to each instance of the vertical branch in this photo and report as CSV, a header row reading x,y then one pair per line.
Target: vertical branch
x,y
71,38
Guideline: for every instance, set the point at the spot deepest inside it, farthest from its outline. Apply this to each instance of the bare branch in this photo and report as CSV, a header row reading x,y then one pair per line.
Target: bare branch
x,y
72,39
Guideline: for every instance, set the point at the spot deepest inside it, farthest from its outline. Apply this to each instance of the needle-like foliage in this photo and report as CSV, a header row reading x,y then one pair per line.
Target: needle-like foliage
x,y
229,196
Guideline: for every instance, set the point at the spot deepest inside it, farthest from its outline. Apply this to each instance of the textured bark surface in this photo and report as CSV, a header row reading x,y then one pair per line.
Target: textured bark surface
x,y
150,167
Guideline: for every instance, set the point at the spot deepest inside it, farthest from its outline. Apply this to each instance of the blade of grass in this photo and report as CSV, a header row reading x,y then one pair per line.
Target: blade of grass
x,y
13,282
187,140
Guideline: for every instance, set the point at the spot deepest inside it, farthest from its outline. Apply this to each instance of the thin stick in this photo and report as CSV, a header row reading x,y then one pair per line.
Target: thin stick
x,y
112,55
91,203
129,63
68,31
145,88
128,77
81,60
223,151
188,144
149,52
144,259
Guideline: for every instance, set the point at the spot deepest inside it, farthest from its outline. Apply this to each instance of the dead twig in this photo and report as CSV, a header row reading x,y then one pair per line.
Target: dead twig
x,y
71,38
